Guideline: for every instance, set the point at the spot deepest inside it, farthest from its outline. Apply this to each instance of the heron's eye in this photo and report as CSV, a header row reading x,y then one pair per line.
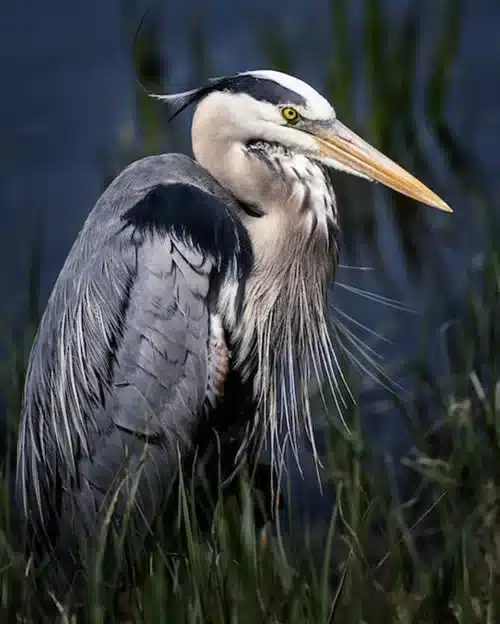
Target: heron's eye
x,y
290,114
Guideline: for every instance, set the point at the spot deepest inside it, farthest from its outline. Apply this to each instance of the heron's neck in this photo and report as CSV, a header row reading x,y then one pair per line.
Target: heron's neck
x,y
282,338
284,195
297,207
288,208
295,242
282,333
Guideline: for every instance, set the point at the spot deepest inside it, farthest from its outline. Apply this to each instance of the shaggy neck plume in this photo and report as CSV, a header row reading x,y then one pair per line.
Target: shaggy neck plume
x,y
283,334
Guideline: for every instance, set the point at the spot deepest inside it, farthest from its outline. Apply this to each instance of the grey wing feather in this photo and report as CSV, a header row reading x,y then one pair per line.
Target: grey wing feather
x,y
157,391
162,362
118,372
149,406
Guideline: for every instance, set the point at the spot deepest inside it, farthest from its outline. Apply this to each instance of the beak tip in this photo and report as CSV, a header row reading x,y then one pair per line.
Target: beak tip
x,y
442,205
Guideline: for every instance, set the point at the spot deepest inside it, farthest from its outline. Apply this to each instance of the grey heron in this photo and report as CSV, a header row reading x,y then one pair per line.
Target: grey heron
x,y
190,307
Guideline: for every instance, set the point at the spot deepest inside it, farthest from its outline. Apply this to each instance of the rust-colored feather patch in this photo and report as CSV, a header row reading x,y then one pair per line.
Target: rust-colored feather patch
x,y
218,362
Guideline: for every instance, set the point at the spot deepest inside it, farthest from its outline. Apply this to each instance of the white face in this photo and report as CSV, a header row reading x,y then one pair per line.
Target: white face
x,y
240,116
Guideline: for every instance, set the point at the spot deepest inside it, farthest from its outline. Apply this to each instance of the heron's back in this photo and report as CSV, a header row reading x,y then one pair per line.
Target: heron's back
x,y
125,333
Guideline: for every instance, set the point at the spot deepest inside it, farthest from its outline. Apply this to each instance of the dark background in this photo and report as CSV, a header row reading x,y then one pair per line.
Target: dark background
x,y
70,118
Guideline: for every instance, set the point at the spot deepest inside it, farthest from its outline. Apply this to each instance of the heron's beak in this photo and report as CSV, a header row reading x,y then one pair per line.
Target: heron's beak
x,y
355,155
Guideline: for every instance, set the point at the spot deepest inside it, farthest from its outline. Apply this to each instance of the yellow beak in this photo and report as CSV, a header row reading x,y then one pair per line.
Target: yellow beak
x,y
354,154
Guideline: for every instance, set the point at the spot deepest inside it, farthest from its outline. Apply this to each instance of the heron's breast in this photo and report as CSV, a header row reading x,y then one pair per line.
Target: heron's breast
x,y
312,193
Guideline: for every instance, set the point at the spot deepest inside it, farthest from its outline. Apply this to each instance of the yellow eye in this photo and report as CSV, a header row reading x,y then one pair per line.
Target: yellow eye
x,y
289,113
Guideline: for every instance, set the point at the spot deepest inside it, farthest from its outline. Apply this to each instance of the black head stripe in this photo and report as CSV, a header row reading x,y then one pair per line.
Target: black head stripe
x,y
262,89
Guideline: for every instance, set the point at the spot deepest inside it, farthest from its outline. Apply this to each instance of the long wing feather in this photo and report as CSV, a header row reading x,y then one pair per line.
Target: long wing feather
x,y
119,370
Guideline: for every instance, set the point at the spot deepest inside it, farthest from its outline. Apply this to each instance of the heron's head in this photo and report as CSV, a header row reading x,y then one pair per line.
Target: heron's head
x,y
273,108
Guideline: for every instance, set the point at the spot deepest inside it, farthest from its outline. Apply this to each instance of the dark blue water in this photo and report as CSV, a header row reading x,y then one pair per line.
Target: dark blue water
x,y
67,98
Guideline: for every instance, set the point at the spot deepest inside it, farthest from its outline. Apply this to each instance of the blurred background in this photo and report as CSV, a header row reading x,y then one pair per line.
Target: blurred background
x,y
417,78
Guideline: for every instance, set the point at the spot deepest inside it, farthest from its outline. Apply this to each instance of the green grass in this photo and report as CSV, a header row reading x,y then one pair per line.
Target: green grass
x,y
431,555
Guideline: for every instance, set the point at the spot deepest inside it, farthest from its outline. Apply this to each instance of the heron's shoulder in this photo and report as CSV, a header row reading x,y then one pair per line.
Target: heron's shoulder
x,y
166,194
172,195
170,169
193,216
